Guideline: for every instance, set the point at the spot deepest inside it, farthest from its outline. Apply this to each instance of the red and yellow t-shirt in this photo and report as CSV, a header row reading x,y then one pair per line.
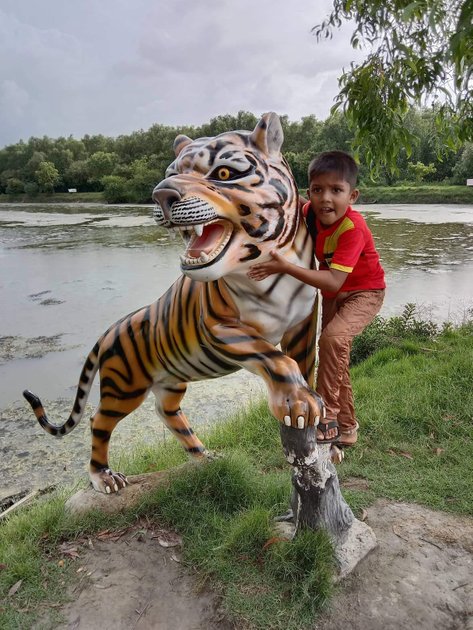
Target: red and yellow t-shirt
x,y
348,245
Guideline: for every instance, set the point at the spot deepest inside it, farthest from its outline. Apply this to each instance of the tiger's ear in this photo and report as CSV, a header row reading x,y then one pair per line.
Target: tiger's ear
x,y
268,135
180,142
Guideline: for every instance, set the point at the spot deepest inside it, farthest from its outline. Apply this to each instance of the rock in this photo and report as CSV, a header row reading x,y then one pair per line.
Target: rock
x,y
359,542
138,485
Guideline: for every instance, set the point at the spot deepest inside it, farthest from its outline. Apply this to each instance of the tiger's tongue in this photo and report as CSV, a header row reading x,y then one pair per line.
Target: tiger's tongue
x,y
207,242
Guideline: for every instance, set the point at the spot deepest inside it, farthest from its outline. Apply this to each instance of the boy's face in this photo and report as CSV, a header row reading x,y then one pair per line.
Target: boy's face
x,y
330,196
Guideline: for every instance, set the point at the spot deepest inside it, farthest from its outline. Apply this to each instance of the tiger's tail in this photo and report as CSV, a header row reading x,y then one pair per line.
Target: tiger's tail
x,y
83,389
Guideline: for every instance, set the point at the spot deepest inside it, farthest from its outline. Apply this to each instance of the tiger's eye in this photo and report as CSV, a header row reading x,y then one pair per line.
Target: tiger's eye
x,y
223,173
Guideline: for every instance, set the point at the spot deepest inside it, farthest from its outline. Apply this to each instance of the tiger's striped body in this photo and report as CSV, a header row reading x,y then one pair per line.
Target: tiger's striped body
x,y
234,198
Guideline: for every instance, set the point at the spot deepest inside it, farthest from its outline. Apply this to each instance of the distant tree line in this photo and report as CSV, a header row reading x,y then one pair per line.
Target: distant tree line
x,y
127,168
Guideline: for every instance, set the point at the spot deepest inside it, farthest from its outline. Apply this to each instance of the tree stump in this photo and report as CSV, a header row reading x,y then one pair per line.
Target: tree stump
x,y
317,502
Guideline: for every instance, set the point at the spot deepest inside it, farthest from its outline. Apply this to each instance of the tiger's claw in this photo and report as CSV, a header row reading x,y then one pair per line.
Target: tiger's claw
x,y
108,481
300,407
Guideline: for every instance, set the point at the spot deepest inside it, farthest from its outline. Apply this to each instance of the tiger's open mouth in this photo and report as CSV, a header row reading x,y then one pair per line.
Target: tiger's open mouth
x,y
206,242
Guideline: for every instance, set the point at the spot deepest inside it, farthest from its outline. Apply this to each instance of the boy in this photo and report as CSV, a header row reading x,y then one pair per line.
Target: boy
x,y
351,279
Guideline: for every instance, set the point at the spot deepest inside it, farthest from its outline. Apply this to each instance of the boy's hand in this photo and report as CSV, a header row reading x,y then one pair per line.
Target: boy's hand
x,y
278,264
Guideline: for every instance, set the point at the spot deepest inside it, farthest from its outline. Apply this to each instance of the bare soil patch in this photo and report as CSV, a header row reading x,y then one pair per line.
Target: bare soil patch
x,y
420,576
134,579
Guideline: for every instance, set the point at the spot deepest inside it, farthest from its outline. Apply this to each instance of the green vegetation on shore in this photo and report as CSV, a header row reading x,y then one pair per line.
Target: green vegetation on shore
x,y
126,168
58,197
412,382
414,193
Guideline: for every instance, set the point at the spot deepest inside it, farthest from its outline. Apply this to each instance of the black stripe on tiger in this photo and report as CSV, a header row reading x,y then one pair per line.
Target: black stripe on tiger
x,y
195,449
188,431
219,364
256,231
101,434
186,357
116,349
118,392
97,465
165,341
146,333
244,210
300,356
254,252
302,334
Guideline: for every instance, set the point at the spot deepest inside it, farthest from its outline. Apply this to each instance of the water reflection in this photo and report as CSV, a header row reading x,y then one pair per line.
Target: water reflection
x,y
403,244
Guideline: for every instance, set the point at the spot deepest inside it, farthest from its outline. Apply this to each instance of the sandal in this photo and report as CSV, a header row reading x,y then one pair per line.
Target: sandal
x,y
326,426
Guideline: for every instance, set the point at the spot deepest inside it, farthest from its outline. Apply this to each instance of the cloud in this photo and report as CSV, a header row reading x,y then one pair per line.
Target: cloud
x,y
113,66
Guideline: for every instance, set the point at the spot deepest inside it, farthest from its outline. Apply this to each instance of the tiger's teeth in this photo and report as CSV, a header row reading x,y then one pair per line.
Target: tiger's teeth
x,y
204,258
199,229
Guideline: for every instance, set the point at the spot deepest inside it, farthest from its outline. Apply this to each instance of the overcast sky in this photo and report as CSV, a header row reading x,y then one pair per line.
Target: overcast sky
x,y
116,66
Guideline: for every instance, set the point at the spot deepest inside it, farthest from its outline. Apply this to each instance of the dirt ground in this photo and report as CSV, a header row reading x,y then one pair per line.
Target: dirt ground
x,y
420,577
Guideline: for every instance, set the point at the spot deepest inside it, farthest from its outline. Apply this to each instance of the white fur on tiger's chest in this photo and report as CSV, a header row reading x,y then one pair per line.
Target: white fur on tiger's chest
x,y
272,312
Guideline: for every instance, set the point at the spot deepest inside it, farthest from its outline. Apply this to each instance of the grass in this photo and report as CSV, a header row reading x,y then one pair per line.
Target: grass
x,y
414,403
59,197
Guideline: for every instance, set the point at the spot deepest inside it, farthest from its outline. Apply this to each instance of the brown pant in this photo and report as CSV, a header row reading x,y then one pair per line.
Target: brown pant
x,y
343,317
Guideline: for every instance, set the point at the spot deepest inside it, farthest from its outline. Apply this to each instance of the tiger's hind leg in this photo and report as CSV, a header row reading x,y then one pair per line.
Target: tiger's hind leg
x,y
102,424
168,400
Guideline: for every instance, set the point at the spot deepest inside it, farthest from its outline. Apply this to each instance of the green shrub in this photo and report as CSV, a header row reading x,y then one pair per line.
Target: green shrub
x,y
115,189
392,332
14,186
31,189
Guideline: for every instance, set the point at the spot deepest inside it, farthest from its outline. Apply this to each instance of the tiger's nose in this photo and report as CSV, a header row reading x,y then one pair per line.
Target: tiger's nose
x,y
166,197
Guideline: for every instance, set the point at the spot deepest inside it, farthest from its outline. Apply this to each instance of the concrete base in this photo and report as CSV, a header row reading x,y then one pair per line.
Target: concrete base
x,y
360,540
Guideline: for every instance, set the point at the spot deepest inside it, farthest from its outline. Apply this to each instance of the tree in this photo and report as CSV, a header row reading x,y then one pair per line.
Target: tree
x,y
14,186
77,175
463,170
144,178
115,189
31,189
421,52
101,164
47,176
32,165
419,171
299,163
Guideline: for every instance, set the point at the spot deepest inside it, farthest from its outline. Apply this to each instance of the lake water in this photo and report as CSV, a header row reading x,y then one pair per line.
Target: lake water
x,y
68,271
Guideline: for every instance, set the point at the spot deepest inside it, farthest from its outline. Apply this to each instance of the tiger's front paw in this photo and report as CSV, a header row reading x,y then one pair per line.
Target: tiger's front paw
x,y
107,481
299,408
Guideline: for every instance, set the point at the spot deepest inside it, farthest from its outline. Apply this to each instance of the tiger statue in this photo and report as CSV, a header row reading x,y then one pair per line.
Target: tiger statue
x,y
233,198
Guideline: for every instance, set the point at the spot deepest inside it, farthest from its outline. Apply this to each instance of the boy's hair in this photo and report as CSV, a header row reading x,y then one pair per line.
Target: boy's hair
x,y
334,162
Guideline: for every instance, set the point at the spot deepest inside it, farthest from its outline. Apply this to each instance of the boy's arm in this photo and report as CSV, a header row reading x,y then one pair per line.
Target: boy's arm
x,y
327,280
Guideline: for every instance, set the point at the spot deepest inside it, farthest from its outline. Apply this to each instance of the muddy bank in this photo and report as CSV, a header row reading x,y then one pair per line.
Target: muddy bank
x,y
419,576
12,347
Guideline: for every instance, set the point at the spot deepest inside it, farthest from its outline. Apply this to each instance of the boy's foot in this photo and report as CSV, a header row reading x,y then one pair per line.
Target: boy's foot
x,y
348,437
328,432
336,454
